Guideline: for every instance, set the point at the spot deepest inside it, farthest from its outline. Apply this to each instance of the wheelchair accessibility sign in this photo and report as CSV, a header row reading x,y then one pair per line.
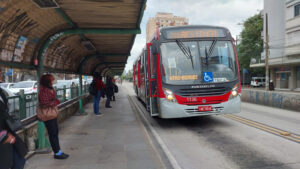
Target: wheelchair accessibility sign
x,y
208,77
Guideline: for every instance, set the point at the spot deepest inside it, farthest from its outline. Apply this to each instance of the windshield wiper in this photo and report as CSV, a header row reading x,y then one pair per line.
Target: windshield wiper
x,y
186,51
212,47
207,54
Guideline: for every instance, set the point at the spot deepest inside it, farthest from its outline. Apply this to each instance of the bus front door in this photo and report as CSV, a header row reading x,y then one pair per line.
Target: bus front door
x,y
151,82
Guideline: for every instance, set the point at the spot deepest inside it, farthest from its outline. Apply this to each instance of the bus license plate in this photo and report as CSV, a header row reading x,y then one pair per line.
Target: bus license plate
x,y
204,108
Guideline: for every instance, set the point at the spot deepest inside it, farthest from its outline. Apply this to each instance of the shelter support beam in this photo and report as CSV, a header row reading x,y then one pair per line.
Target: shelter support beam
x,y
43,142
81,109
17,65
69,21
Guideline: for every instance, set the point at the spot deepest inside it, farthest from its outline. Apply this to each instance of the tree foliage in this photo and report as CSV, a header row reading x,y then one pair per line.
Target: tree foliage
x,y
251,45
128,75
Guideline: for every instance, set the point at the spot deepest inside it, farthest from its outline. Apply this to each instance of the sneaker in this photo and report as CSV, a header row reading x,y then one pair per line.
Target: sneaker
x,y
100,114
63,156
108,106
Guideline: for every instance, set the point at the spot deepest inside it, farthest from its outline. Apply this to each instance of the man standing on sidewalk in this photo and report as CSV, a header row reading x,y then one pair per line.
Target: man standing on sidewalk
x,y
99,86
109,91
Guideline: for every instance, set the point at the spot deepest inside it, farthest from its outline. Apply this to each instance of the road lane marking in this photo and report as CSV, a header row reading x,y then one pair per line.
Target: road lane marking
x,y
256,123
296,136
282,132
269,129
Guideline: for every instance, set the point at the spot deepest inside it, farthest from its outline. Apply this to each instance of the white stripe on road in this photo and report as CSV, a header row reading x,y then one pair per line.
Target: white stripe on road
x,y
169,155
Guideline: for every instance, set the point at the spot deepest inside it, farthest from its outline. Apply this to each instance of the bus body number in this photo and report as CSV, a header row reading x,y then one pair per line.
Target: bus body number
x,y
191,99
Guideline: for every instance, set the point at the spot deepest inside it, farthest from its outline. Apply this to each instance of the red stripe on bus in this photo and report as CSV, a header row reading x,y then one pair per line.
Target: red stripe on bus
x,y
202,100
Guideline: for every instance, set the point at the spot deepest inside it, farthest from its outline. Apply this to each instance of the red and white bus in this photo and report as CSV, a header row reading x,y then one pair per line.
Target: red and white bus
x,y
189,71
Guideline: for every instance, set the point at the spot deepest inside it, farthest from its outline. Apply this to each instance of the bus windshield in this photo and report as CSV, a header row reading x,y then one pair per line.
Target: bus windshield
x,y
198,62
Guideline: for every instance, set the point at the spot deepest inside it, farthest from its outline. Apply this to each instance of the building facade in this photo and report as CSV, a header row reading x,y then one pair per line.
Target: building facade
x,y
284,42
163,20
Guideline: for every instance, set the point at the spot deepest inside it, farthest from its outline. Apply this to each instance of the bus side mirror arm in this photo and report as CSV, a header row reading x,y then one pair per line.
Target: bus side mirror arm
x,y
154,48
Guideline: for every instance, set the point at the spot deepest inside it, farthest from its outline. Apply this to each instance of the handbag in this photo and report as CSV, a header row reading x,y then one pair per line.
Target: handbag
x,y
45,113
13,123
116,88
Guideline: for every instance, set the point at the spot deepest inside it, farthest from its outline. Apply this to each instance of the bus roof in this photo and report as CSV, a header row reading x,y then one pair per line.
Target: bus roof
x,y
193,26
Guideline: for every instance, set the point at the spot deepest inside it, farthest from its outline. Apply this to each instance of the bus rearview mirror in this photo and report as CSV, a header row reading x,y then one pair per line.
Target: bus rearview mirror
x,y
154,48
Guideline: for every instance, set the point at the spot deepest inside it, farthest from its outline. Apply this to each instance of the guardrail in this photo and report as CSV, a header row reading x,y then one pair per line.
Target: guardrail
x,y
24,105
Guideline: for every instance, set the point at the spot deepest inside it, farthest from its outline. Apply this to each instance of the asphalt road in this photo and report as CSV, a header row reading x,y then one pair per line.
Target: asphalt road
x,y
246,141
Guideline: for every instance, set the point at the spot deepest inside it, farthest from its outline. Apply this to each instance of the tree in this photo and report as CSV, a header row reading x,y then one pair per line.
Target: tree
x,y
128,75
251,45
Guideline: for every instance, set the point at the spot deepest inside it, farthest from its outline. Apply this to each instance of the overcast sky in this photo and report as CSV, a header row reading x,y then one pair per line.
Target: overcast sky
x,y
226,13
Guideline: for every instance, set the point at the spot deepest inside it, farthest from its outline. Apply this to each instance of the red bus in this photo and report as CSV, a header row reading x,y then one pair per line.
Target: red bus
x,y
189,71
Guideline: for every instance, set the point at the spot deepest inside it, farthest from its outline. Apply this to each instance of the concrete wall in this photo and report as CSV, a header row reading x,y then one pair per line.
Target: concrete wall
x,y
284,100
29,134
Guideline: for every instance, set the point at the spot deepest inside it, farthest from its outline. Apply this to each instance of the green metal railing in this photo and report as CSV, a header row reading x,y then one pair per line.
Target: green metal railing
x,y
24,105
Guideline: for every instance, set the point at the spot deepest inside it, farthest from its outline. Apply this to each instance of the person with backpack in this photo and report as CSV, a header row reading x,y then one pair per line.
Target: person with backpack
x,y
115,90
109,91
96,90
12,148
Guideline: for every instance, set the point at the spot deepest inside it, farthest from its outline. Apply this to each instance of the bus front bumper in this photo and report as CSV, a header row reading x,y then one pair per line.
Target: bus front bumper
x,y
174,110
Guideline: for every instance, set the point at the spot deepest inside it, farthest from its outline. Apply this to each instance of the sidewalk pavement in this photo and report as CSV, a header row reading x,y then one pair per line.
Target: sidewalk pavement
x,y
115,140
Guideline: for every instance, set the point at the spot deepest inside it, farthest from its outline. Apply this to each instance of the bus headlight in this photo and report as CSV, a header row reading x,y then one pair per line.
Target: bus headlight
x,y
169,95
234,91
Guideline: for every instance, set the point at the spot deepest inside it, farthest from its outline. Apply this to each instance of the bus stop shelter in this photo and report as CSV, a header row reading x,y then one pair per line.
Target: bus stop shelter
x,y
68,36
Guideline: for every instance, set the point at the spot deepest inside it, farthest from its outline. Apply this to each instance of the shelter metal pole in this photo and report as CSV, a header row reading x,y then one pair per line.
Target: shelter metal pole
x,y
81,109
43,142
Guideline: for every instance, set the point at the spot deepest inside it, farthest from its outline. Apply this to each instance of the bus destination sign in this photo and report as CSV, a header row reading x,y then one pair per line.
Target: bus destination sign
x,y
195,33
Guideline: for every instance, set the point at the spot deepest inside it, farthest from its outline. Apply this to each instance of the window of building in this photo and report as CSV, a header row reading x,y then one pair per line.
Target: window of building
x,y
283,80
297,10
298,77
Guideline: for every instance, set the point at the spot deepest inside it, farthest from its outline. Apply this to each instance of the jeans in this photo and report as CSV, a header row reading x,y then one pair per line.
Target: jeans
x,y
18,161
97,102
52,128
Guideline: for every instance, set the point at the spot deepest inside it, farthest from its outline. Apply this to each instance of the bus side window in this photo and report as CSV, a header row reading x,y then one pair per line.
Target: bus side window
x,y
153,64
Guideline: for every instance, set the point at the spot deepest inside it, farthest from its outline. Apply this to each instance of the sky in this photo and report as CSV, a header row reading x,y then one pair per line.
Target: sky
x,y
227,13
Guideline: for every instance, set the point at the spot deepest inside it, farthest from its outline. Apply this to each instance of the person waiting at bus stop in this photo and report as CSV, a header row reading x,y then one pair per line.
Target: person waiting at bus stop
x,y
47,98
97,80
271,85
109,91
113,98
12,148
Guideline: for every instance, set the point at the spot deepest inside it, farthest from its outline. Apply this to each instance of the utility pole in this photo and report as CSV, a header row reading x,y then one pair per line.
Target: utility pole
x,y
267,53
236,40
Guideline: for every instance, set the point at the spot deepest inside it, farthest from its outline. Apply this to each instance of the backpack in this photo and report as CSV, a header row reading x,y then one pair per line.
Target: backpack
x,y
116,89
93,88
